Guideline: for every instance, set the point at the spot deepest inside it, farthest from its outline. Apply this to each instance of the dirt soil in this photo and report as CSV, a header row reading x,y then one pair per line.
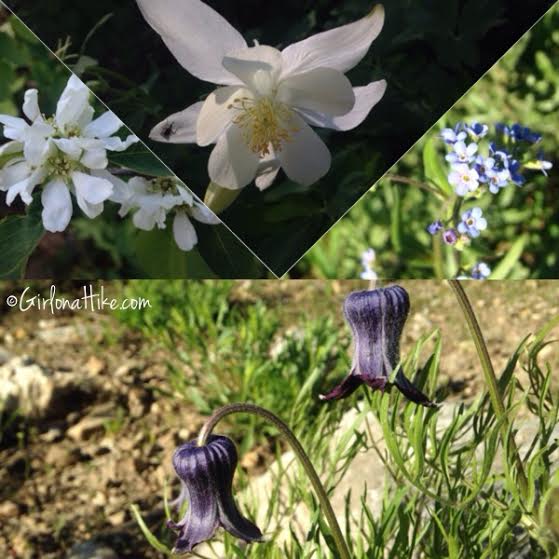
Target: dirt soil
x,y
71,477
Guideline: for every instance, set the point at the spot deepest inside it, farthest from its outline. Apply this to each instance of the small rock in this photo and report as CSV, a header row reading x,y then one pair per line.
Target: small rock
x,y
5,356
95,366
24,386
118,518
52,435
86,428
91,550
8,510
60,456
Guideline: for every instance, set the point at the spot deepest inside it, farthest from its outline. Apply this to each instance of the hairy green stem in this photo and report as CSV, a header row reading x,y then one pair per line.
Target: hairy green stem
x,y
490,380
438,257
231,409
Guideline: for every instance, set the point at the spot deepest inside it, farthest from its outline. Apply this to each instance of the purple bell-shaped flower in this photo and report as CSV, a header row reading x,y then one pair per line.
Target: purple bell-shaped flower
x,y
206,474
377,319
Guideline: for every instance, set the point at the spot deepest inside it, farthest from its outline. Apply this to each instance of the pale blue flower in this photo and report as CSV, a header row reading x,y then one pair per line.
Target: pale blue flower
x,y
435,227
481,271
464,179
498,179
472,223
452,135
462,153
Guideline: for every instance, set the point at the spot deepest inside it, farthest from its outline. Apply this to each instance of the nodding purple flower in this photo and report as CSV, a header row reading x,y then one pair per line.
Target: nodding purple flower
x,y
377,319
206,474
450,237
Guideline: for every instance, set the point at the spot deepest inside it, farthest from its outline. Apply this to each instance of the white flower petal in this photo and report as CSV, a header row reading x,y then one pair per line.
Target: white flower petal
x,y
216,114
196,34
122,192
203,214
147,218
104,126
14,173
70,147
14,127
57,206
365,100
322,90
38,144
184,232
232,164
91,192
29,179
116,144
95,158
305,158
11,148
185,195
31,105
258,67
179,128
73,102
341,48
268,170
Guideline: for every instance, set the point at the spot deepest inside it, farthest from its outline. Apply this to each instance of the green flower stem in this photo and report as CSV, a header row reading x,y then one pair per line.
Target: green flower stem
x,y
231,409
490,380
438,257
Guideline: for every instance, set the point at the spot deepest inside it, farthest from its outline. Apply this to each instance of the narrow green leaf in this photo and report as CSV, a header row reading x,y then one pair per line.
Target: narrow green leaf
x,y
435,170
505,267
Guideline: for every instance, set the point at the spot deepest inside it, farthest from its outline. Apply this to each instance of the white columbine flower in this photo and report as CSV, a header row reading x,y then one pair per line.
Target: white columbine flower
x,y
153,200
259,120
65,153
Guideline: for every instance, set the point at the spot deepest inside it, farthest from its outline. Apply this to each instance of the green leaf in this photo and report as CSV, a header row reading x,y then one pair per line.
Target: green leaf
x,y
140,159
226,255
148,534
505,267
159,257
434,168
19,236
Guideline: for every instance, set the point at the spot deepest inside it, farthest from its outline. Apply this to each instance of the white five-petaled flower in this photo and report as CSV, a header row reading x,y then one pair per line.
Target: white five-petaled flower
x,y
153,200
66,153
464,179
260,119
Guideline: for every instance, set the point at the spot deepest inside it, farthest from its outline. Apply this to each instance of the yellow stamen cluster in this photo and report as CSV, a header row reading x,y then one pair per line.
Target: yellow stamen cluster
x,y
266,123
61,166
163,185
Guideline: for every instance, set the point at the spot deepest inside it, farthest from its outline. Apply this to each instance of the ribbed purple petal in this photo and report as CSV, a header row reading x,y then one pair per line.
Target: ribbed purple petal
x,y
411,392
224,452
192,464
347,387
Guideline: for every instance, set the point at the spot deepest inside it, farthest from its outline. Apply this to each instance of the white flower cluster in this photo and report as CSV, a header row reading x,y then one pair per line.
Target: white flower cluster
x,y
153,200
67,154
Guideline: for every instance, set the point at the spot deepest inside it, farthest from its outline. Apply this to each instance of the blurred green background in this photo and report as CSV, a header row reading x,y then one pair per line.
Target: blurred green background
x,y
523,87
107,247
429,53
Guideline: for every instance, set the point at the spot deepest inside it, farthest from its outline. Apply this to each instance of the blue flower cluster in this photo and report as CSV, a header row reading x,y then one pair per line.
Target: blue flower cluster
x,y
509,154
470,226
481,160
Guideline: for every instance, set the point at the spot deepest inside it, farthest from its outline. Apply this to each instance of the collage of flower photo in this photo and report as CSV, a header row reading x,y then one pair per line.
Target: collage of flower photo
x,y
279,280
